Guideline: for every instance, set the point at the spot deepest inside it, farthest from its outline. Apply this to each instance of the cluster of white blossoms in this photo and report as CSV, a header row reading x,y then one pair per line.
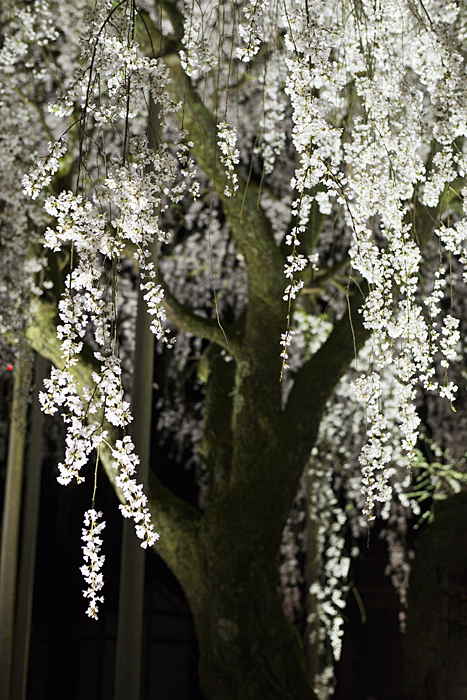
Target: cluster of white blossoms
x,y
294,544
316,140
197,57
330,589
373,175
135,507
286,342
41,174
115,207
381,187
230,156
252,32
323,683
33,23
335,477
93,561
272,138
376,453
28,32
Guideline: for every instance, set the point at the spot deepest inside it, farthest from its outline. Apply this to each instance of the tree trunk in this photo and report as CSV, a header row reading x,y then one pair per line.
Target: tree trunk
x,y
436,640
248,650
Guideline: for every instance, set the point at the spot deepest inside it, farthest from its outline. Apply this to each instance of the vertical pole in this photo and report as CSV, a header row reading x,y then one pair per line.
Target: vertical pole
x,y
11,518
22,630
131,596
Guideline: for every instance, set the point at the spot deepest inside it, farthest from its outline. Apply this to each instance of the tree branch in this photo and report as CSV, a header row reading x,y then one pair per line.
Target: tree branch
x,y
216,443
187,320
250,227
317,378
173,14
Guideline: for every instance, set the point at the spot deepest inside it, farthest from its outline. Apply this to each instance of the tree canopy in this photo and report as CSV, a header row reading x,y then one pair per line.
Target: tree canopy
x,y
285,183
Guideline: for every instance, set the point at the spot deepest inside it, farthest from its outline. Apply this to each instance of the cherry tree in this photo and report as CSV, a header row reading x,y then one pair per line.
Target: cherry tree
x,y
295,219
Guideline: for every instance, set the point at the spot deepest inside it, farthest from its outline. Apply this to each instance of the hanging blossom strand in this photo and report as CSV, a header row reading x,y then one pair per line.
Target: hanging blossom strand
x,y
230,156
117,211
93,561
372,176
135,507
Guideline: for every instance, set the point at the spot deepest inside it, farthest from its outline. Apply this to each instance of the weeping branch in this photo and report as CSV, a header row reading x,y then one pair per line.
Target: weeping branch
x,y
185,319
175,520
317,378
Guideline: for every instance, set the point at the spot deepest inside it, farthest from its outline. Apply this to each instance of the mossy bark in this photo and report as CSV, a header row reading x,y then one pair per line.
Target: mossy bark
x,y
247,647
255,451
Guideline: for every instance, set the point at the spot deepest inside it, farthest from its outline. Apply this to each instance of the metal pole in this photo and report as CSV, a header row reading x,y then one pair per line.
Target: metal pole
x,y
22,633
11,518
